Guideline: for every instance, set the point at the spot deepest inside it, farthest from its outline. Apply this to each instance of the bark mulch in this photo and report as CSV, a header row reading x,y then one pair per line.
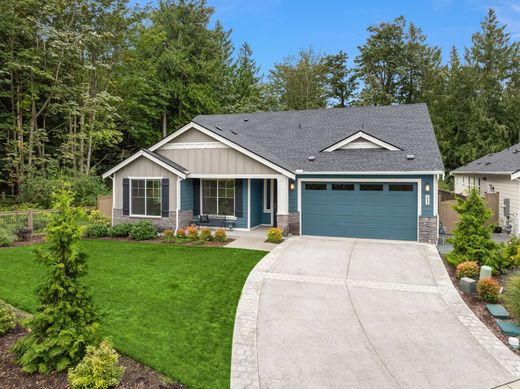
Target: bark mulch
x,y
479,309
32,240
212,243
137,375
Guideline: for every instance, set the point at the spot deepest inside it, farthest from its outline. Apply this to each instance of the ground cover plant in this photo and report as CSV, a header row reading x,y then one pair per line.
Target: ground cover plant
x,y
170,307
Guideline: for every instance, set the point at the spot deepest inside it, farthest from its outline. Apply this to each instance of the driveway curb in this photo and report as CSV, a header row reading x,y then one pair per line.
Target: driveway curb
x,y
244,357
500,352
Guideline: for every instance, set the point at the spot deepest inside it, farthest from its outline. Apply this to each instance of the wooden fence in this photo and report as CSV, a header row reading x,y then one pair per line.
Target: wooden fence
x,y
104,205
449,217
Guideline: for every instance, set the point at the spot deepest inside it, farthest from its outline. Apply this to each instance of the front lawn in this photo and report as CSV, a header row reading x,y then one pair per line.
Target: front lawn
x,y
170,307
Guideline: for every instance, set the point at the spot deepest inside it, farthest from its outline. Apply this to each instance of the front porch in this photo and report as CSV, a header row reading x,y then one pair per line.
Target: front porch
x,y
238,203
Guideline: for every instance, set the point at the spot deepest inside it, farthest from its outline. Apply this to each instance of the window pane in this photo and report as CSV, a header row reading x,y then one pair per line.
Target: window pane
x,y
268,194
226,206
137,201
400,188
342,186
315,186
371,187
209,205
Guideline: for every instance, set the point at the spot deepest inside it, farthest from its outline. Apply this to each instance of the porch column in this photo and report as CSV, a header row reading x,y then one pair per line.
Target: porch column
x,y
282,214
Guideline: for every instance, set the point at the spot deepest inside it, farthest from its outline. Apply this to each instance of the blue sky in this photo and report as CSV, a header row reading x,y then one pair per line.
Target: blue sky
x,y
276,28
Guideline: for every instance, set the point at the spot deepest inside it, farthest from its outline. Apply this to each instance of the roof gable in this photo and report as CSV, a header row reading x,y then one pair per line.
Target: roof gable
x,y
361,140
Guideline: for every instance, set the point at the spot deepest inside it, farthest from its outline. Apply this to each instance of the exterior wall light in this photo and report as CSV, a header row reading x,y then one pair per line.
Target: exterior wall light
x,y
291,185
427,188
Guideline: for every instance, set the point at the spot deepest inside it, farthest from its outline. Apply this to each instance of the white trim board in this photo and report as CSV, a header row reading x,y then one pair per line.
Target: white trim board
x,y
233,175
225,141
142,153
194,145
365,173
417,181
378,143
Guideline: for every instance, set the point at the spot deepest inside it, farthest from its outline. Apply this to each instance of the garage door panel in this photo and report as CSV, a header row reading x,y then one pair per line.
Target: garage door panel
x,y
361,213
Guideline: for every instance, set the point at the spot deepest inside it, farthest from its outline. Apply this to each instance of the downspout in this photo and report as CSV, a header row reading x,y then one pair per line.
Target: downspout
x,y
178,205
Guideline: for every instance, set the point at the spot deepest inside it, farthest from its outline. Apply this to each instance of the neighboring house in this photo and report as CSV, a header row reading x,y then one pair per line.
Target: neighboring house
x,y
495,173
368,172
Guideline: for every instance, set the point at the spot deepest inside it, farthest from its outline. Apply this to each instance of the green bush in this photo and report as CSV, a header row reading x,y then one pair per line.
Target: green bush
x,y
65,322
7,237
488,290
99,369
143,230
512,295
472,237
220,235
274,235
168,236
121,230
96,230
7,318
468,269
205,234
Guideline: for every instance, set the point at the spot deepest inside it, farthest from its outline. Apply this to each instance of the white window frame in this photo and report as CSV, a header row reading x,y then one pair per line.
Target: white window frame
x,y
217,215
271,195
145,197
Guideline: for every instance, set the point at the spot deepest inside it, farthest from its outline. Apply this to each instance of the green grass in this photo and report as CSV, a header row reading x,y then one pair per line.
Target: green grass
x,y
170,307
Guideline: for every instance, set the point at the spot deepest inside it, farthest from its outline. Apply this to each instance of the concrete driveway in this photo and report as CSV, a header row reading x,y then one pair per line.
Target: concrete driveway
x,y
347,313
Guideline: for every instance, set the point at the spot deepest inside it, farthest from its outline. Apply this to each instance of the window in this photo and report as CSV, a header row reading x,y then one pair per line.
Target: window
x,y
218,197
145,197
371,187
268,192
342,186
315,186
400,188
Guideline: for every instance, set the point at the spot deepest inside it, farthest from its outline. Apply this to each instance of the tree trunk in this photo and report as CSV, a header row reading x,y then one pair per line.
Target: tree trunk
x,y
164,124
81,142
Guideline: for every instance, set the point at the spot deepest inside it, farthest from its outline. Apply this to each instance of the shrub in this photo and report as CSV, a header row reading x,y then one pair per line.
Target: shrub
x,y
121,230
181,233
23,233
192,233
220,235
168,236
7,318
205,235
143,230
99,369
65,322
96,217
7,238
472,237
488,290
96,231
468,269
274,235
512,295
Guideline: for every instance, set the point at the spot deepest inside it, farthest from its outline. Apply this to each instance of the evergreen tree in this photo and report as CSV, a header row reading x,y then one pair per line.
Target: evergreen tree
x,y
65,322
246,90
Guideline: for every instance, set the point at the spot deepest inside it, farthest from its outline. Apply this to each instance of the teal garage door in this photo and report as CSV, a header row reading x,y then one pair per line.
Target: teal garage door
x,y
360,210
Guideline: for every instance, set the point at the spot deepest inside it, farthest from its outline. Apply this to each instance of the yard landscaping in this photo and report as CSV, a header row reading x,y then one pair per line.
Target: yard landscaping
x,y
170,307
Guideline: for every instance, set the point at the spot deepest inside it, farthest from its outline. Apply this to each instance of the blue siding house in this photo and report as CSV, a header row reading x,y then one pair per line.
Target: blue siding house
x,y
363,172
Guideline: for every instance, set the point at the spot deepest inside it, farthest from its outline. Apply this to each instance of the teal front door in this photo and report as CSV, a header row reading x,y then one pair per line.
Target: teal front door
x,y
360,209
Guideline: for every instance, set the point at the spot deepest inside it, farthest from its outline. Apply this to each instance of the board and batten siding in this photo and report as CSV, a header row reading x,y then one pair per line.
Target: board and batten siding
x,y
501,184
142,168
222,160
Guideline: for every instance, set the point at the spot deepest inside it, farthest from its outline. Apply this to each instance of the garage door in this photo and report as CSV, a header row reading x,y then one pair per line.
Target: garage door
x,y
360,210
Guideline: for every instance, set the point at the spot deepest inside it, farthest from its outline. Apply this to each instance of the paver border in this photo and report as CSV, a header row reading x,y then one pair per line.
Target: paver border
x,y
483,335
244,355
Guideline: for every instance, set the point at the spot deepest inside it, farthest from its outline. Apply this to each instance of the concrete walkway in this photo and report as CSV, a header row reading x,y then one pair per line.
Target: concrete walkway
x,y
252,240
338,313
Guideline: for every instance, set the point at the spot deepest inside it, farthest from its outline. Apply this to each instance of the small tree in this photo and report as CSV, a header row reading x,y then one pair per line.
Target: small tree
x,y
472,236
65,322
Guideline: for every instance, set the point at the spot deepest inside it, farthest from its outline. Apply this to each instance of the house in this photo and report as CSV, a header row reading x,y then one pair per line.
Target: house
x,y
495,173
368,172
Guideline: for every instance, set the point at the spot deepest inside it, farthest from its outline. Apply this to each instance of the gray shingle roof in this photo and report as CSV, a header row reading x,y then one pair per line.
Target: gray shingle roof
x,y
506,161
288,138
167,161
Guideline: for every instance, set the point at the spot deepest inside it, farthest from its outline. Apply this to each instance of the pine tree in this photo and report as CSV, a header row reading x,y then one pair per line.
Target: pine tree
x,y
66,321
246,91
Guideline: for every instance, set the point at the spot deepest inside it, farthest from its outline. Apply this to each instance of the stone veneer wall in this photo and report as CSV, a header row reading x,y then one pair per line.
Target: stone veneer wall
x,y
185,218
294,223
428,229
163,223
282,221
